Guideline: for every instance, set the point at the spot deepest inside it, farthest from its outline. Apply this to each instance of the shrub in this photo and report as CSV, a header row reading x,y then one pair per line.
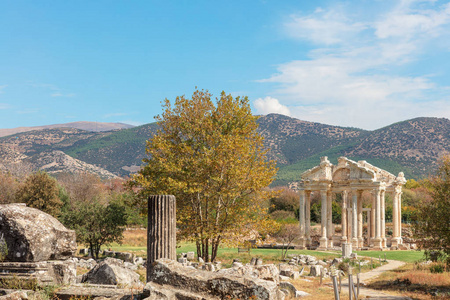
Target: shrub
x,y
437,268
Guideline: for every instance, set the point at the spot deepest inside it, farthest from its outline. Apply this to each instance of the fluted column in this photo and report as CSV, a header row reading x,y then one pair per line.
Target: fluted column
x,y
302,217
400,218
383,218
330,218
344,217
323,220
372,217
355,219
308,217
377,239
395,238
360,219
161,230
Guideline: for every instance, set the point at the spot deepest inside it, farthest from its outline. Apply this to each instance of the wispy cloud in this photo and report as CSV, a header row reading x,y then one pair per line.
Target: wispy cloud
x,y
55,90
58,94
352,76
111,115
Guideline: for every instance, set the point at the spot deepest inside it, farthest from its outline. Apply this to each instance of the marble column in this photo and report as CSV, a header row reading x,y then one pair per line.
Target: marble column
x,y
400,218
377,239
355,219
349,224
372,218
395,238
323,220
308,217
383,218
360,219
330,219
301,217
161,230
344,217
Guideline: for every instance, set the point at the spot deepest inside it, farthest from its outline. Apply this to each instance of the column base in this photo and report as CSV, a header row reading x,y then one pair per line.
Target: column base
x,y
360,242
343,240
395,241
355,243
330,242
383,242
323,243
302,243
377,244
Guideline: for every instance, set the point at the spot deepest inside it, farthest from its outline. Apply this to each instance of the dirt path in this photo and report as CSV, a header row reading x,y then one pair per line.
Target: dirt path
x,y
375,294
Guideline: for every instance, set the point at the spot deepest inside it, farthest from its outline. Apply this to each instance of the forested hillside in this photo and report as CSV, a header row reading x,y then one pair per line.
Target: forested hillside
x,y
411,146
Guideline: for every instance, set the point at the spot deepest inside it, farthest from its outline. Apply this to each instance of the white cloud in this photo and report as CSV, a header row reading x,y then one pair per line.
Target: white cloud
x,y
58,94
270,105
323,27
354,78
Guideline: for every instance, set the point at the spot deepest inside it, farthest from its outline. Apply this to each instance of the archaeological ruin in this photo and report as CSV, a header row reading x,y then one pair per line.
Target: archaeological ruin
x,y
352,180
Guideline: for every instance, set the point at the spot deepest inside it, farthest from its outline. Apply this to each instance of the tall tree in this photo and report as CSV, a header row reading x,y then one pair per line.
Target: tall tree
x,y
432,224
40,191
210,156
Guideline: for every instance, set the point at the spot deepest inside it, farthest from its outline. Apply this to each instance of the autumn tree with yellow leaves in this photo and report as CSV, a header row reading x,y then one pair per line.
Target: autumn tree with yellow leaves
x,y
210,156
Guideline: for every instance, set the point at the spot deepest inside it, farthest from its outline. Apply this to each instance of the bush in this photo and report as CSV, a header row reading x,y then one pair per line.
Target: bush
x,y
437,268
287,200
283,216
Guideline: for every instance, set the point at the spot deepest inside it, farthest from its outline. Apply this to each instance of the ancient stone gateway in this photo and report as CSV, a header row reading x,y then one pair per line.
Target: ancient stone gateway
x,y
351,179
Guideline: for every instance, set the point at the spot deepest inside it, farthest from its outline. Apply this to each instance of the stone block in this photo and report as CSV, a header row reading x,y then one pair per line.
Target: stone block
x,y
32,235
190,255
346,250
315,270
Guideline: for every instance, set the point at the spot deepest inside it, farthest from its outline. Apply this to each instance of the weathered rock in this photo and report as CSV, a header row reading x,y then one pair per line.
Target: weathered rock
x,y
46,272
111,271
16,295
315,270
215,284
190,255
32,235
266,272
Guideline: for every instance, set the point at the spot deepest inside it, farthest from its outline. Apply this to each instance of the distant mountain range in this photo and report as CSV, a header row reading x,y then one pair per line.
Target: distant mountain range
x,y
83,125
411,146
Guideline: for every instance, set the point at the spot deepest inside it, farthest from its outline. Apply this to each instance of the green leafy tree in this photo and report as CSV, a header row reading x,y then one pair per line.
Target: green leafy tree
x,y
210,156
40,191
96,224
432,217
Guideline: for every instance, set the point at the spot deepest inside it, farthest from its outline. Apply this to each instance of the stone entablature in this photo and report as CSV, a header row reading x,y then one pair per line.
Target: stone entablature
x,y
351,178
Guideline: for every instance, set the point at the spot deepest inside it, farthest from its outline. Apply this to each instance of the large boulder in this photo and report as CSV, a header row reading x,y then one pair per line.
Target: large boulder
x,y
210,285
111,271
32,235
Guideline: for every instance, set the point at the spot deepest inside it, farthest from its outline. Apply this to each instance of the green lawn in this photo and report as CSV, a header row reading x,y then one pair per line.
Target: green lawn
x,y
406,256
226,255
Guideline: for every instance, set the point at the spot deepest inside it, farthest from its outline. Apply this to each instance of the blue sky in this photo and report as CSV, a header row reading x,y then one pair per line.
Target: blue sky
x,y
364,64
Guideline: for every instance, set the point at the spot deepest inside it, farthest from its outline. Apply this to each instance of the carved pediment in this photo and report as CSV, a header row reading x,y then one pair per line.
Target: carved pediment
x,y
321,172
